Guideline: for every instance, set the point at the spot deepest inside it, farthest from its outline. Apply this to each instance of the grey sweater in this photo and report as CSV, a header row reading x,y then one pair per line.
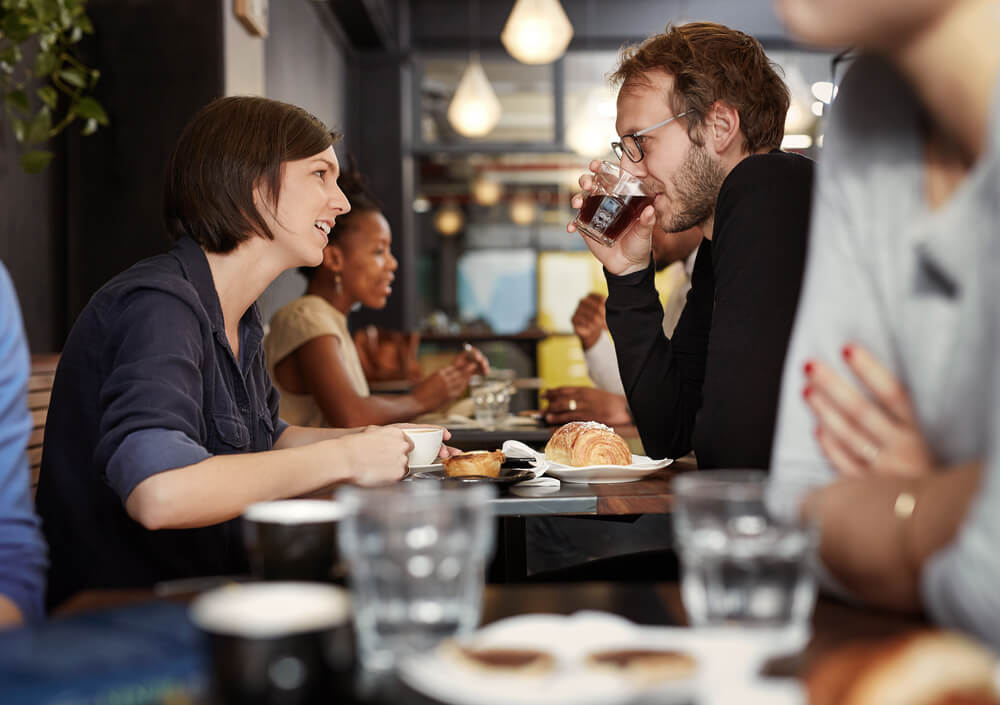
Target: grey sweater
x,y
918,288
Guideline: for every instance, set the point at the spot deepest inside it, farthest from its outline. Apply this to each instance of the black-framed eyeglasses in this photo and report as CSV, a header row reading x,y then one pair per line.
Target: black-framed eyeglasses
x,y
630,144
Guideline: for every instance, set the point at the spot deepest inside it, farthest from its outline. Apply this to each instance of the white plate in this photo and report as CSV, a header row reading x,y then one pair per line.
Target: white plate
x,y
572,682
608,474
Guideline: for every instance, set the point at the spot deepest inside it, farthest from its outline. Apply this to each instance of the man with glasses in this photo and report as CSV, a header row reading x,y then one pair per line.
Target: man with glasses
x,y
701,113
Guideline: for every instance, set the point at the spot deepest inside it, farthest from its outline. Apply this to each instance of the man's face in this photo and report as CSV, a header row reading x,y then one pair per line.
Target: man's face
x,y
685,177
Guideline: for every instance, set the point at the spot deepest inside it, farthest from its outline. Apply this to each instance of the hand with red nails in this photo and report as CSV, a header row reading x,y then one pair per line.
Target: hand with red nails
x,y
871,430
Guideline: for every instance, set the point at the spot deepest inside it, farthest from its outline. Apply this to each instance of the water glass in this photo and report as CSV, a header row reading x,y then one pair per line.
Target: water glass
x,y
742,564
416,556
491,398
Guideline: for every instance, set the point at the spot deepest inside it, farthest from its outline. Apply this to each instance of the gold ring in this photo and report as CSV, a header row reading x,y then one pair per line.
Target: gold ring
x,y
572,404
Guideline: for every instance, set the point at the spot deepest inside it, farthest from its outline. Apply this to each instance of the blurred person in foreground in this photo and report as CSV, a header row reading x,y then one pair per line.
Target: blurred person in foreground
x,y
891,396
22,550
674,255
701,114
163,424
310,352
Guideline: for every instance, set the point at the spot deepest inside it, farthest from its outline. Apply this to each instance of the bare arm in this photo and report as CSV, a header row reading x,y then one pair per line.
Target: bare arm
x,y
878,552
219,488
318,368
10,615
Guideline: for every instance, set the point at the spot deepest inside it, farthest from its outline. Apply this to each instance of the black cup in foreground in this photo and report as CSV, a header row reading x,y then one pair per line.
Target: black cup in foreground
x,y
292,539
278,643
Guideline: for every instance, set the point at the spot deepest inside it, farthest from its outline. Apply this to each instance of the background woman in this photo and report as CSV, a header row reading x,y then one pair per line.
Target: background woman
x,y
900,296
163,424
310,352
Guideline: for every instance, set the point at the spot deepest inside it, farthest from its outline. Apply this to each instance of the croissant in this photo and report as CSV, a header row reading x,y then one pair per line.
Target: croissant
x,y
581,443
476,462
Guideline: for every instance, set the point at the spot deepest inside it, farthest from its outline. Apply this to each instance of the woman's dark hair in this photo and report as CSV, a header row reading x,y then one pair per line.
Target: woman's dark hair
x,y
227,149
362,200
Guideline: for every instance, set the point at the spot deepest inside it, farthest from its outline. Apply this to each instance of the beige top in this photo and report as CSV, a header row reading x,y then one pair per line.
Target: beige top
x,y
294,325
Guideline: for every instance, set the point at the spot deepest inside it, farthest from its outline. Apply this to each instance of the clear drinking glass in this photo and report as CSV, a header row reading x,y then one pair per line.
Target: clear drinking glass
x,y
614,203
491,395
742,564
416,554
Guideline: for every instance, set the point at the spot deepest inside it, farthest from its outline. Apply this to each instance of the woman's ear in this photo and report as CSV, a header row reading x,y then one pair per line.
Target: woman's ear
x,y
722,128
333,258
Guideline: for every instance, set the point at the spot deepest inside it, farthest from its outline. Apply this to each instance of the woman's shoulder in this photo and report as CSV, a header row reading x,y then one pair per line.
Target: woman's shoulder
x,y
308,307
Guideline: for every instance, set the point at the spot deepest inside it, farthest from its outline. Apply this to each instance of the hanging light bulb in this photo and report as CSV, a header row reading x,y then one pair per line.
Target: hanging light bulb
x,y
449,219
537,31
522,209
474,110
487,191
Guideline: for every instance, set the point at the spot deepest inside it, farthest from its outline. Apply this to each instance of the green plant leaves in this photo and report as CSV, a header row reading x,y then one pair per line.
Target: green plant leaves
x,y
42,98
35,161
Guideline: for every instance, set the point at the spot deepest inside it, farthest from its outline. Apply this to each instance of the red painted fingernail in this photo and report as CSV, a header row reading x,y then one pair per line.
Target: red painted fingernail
x,y
806,392
808,368
847,352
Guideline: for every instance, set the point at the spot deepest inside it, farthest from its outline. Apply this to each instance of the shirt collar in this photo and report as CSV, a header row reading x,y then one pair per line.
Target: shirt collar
x,y
195,265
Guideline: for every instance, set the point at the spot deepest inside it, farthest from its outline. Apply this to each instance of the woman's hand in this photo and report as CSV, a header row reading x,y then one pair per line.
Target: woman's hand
x,y
861,435
631,251
379,453
472,361
445,451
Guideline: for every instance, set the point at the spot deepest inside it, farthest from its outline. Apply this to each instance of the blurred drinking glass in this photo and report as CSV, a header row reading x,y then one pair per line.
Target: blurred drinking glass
x,y
743,565
491,395
416,557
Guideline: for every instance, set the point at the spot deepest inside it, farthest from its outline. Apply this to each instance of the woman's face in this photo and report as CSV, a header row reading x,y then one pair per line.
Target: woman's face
x,y
368,265
881,25
308,205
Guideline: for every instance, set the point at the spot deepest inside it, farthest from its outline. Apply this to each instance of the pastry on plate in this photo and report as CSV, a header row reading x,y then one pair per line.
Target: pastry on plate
x,y
500,660
645,666
928,667
583,443
476,462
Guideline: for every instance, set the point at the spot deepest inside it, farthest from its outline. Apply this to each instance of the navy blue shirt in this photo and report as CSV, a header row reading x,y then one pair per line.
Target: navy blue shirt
x,y
147,382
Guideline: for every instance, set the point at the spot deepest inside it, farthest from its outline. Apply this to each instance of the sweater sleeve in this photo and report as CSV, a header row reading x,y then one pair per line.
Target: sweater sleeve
x,y
662,376
22,551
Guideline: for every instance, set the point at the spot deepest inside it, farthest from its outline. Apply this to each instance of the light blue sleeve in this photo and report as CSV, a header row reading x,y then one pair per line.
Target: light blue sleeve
x,y
22,549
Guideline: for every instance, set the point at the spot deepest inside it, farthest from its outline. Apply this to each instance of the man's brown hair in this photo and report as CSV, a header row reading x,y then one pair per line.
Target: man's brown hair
x,y
227,149
711,62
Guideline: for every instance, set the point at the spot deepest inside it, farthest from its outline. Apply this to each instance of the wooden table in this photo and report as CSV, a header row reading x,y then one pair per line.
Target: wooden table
x,y
834,623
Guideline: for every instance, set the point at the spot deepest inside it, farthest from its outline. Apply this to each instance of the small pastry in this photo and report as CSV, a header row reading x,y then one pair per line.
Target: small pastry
x,y
645,666
476,462
505,661
581,443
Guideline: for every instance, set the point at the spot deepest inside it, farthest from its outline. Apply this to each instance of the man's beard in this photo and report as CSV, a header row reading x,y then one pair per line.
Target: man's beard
x,y
696,189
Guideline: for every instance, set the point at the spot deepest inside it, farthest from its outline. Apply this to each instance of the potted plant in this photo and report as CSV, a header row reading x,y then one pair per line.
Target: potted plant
x,y
44,86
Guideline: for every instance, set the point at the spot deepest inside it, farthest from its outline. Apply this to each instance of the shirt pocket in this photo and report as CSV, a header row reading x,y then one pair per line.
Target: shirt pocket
x,y
231,432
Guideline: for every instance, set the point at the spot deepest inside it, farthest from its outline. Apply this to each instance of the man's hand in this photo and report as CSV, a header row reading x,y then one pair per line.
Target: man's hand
x,y
586,404
588,320
631,251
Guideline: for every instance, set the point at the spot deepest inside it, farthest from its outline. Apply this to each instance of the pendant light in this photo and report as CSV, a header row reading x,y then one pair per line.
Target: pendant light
x,y
474,109
537,31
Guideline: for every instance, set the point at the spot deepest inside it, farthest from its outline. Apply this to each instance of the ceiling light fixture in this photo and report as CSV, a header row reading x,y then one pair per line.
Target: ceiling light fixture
x,y
474,110
537,31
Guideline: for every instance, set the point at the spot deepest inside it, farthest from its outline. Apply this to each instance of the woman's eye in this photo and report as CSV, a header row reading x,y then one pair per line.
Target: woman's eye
x,y
321,173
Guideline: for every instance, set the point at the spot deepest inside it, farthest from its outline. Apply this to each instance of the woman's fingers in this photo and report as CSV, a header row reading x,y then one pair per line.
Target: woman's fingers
x,y
840,457
858,411
837,427
880,381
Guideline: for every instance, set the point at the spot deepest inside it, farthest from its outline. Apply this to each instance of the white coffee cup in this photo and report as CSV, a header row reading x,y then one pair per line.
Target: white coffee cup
x,y
426,444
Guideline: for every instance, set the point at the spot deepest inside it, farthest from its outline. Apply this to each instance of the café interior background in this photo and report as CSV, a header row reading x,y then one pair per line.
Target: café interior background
x,y
478,222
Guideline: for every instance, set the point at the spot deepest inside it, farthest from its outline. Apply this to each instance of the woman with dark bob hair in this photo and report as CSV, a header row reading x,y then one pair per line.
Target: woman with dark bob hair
x,y
163,424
